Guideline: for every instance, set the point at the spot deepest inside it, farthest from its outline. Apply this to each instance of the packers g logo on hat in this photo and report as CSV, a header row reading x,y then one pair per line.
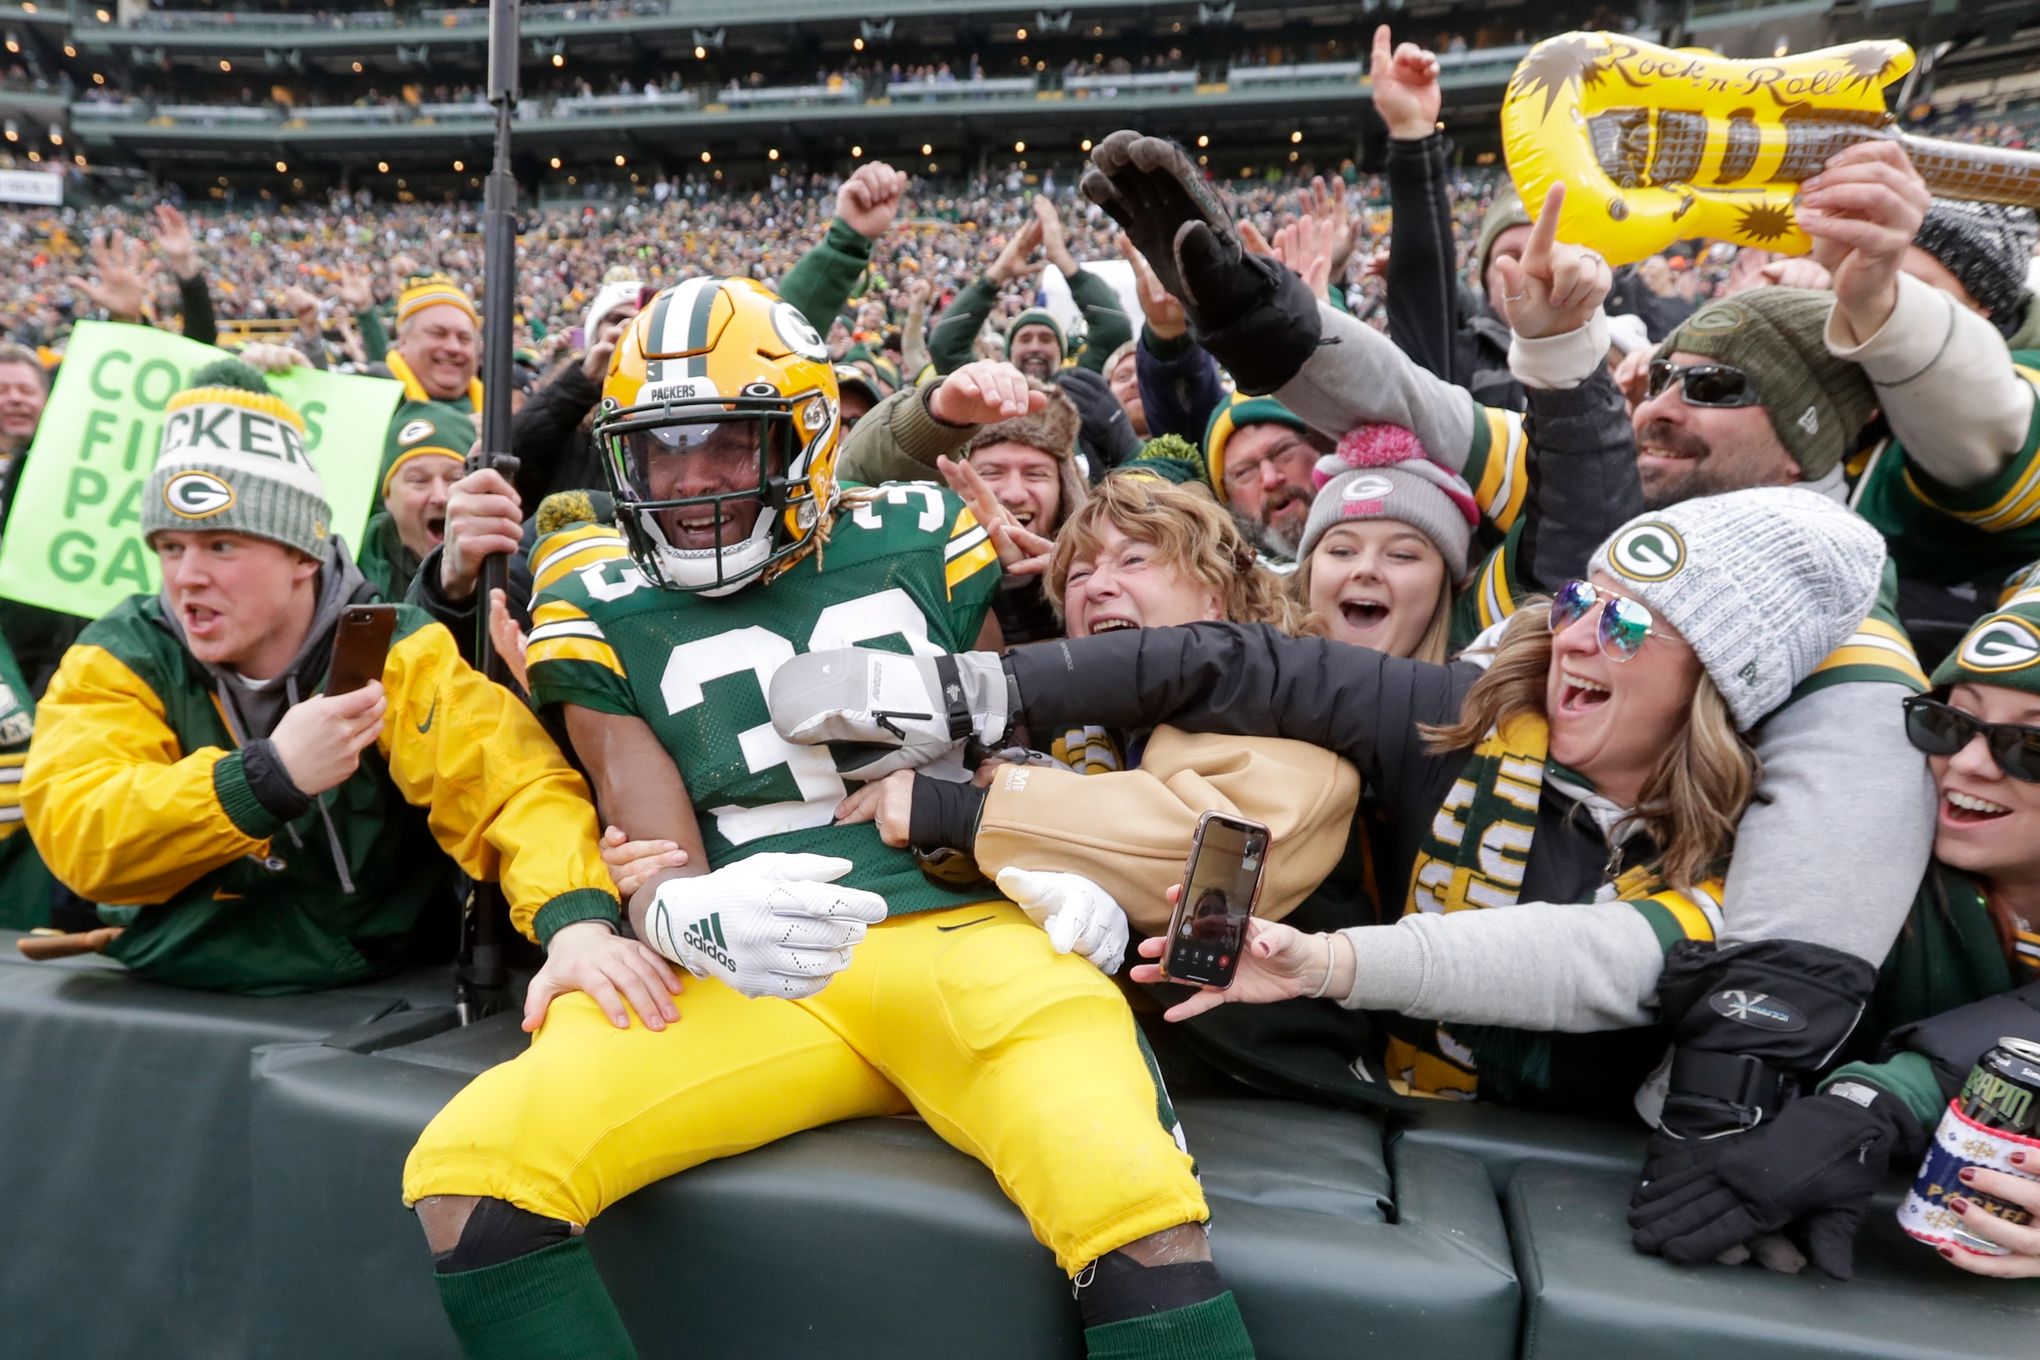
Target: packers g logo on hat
x,y
1370,487
414,431
197,495
2003,643
1651,551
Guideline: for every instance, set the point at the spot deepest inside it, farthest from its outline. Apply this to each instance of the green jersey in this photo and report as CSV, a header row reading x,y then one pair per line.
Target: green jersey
x,y
1943,537
904,567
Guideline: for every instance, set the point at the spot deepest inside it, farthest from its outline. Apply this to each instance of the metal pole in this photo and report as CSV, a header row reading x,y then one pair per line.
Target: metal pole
x,y
480,973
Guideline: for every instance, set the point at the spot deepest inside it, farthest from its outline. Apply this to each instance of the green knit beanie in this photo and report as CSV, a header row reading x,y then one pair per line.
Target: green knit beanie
x,y
425,429
1504,212
1171,458
1818,403
1231,414
232,460
2001,648
1038,316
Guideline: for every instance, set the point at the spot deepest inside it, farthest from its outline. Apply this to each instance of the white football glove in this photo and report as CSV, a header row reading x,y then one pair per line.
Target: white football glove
x,y
770,925
1079,916
910,710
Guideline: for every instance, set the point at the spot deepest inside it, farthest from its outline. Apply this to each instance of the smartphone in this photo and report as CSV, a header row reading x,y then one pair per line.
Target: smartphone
x,y
1221,886
360,646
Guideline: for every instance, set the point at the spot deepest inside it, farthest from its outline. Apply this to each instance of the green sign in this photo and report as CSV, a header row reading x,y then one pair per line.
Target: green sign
x,y
73,541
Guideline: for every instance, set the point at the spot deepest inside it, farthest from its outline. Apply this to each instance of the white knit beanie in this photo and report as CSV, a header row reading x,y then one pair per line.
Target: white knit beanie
x,y
1764,584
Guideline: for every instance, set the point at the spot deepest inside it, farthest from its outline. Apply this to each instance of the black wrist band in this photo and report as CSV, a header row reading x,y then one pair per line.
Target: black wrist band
x,y
944,814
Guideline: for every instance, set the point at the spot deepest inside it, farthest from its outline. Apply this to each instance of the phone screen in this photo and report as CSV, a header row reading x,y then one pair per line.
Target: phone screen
x,y
1210,922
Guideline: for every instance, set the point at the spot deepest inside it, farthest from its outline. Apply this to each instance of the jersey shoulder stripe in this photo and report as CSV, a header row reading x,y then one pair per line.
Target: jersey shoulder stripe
x,y
2008,501
1674,916
1498,467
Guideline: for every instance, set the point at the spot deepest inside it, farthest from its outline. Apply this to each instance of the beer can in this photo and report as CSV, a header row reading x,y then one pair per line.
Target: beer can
x,y
1996,1114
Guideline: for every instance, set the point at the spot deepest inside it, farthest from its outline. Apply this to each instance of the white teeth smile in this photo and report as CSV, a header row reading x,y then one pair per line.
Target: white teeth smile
x,y
1659,451
1111,626
1969,804
1581,682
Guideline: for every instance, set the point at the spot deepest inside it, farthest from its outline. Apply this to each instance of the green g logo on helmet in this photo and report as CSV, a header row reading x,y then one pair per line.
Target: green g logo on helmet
x,y
2004,642
1651,551
197,495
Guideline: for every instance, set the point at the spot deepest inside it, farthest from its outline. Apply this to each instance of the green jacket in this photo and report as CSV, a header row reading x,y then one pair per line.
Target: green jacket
x,y
952,338
384,560
150,806
26,886
1948,955
821,282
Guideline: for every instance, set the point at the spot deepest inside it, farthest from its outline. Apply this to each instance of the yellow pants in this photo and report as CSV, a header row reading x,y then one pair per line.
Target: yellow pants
x,y
1021,1057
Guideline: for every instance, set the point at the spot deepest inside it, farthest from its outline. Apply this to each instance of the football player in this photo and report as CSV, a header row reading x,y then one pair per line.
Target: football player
x,y
733,551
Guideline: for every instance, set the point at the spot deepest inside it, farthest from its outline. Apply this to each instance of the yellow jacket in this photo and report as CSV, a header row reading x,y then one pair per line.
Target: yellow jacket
x,y
136,792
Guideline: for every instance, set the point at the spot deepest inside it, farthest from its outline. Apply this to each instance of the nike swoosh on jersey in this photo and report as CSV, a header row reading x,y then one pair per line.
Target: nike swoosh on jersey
x,y
963,925
430,714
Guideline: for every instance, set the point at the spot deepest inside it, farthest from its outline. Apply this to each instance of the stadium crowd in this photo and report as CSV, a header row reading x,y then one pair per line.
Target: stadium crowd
x,y
1588,644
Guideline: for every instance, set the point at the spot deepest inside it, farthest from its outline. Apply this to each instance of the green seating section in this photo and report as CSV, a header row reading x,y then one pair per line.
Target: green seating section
x,y
206,1176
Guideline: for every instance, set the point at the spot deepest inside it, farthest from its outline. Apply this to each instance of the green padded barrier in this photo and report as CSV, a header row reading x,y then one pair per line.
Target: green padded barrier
x,y
123,1128
868,1238
1587,1293
1502,1139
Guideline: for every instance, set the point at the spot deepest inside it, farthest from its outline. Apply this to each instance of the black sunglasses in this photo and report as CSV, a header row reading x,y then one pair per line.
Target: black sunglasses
x,y
1941,730
1705,384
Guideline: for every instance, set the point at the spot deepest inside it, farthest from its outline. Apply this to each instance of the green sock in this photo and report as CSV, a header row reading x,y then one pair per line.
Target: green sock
x,y
1211,1330
547,1304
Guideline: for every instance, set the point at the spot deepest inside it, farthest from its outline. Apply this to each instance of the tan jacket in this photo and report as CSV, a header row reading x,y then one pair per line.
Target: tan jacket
x,y
1130,831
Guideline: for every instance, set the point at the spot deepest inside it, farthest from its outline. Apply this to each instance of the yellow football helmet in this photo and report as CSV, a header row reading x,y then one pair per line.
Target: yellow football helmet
x,y
718,427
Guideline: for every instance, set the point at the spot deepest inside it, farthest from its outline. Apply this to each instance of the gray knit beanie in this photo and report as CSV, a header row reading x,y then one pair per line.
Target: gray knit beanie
x,y
1764,584
232,460
1818,403
1379,471
1989,247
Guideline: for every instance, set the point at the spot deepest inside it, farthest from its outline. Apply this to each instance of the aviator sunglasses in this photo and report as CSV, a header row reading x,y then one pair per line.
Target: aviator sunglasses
x,y
1938,729
1704,384
1624,622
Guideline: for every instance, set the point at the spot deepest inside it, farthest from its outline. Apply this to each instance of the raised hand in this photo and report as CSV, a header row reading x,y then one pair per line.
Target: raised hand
x,y
173,238
357,288
1339,231
1862,211
483,516
985,392
1554,288
1053,244
1164,313
120,285
1406,91
1302,245
1019,248
870,199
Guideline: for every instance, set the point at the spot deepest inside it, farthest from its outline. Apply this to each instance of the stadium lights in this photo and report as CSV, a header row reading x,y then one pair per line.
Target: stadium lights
x,y
13,44
701,54
1019,147
773,154
281,167
98,78
1203,140
226,65
458,166
69,50
931,167
13,131
555,162
857,44
35,156
1020,35
357,68
559,59
56,136
1296,136
927,149
619,160
856,153
103,16
382,167
706,158
79,160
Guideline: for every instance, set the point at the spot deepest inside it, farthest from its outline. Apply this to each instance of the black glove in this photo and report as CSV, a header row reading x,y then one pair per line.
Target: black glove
x,y
1107,435
1255,316
1811,1171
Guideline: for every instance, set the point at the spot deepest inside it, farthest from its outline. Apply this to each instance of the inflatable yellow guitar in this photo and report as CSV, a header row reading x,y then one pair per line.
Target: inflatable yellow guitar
x,y
1655,146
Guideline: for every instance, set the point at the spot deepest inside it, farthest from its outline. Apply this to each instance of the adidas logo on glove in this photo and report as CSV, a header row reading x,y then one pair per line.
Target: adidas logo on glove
x,y
706,935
